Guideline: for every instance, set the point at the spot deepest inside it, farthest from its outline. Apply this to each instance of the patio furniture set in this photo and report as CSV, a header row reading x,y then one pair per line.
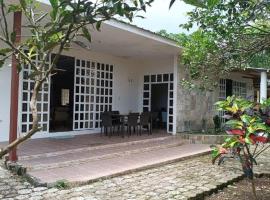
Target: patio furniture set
x,y
114,122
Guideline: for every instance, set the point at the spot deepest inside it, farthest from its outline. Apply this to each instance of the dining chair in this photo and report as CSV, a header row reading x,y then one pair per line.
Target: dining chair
x,y
132,122
116,120
155,120
107,123
145,121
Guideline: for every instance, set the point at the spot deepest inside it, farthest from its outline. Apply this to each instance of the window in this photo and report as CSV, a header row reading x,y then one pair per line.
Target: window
x,y
95,90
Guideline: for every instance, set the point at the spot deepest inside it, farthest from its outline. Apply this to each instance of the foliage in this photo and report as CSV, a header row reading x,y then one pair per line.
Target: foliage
x,y
53,31
248,125
232,34
199,52
62,184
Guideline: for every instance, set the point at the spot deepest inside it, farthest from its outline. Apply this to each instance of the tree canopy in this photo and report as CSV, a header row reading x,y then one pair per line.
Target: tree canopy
x,y
231,34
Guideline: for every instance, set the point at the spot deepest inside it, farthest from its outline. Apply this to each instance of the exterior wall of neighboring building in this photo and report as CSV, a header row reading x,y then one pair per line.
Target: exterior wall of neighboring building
x,y
195,109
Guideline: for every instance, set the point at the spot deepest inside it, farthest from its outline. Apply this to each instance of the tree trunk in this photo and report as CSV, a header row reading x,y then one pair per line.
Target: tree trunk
x,y
35,127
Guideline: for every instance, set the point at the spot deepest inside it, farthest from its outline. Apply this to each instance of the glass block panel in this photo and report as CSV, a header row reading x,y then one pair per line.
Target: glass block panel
x,y
146,87
146,79
171,77
153,78
159,78
165,77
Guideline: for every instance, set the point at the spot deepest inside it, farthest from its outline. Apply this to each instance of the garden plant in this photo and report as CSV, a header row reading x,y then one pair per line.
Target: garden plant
x,y
248,128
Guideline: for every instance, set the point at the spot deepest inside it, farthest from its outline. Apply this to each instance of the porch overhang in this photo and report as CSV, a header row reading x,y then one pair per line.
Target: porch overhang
x,y
260,77
130,42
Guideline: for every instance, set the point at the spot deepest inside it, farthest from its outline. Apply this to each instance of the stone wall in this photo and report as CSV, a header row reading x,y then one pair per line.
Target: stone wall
x,y
195,109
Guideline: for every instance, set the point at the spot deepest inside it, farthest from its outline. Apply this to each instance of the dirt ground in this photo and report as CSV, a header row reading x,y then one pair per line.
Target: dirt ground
x,y
242,191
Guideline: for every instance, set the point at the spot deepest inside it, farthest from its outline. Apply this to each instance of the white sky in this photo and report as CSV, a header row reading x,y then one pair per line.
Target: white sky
x,y
158,16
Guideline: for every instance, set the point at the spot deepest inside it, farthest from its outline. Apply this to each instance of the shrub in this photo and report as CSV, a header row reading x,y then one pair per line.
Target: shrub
x,y
248,125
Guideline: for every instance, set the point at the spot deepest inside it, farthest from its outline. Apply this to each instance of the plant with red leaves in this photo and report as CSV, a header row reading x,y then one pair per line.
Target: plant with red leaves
x,y
248,126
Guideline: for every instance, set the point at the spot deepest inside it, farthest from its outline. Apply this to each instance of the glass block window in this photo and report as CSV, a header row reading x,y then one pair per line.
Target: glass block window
x,y
240,89
43,100
222,89
93,93
156,79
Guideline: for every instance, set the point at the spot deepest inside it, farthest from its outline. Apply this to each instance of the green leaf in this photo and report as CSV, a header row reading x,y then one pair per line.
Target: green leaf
x,y
246,119
23,4
86,34
54,3
212,3
247,140
54,12
14,8
13,36
234,123
4,51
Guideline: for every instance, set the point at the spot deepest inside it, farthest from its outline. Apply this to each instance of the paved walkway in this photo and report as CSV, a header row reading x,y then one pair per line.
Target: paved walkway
x,y
181,180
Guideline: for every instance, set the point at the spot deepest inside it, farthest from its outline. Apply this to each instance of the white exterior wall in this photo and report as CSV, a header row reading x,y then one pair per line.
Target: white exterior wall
x,y
128,77
163,66
5,84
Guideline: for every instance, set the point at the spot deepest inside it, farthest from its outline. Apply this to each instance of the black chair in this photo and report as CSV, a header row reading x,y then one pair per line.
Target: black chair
x,y
155,120
145,121
132,122
107,123
116,120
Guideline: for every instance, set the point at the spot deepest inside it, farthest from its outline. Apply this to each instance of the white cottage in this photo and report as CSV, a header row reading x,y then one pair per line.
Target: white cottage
x,y
125,68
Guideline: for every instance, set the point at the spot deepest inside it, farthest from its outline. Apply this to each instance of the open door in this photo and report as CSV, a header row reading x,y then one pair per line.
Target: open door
x,y
61,95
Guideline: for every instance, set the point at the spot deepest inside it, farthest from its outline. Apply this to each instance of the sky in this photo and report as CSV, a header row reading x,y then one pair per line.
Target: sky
x,y
159,16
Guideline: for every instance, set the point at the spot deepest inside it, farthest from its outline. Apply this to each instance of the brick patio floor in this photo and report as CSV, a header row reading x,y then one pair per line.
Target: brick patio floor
x,y
90,157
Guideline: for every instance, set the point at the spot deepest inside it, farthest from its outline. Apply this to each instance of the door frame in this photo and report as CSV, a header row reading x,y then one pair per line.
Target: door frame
x,y
160,79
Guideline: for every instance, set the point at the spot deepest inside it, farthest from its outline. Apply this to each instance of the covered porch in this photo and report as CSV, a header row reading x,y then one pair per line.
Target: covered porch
x,y
260,78
124,69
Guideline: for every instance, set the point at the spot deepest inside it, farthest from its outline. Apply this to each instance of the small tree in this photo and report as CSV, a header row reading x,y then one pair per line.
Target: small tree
x,y
54,32
248,127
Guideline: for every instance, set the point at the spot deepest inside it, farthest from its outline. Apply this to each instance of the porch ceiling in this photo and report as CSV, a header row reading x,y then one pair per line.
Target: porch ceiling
x,y
125,41
252,73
